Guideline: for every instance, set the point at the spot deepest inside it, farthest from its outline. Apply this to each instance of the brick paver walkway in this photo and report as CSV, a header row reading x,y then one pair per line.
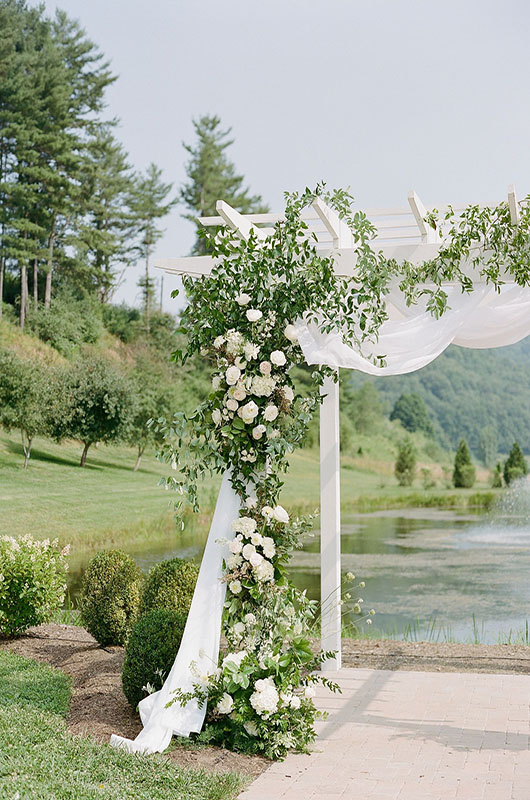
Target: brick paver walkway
x,y
412,736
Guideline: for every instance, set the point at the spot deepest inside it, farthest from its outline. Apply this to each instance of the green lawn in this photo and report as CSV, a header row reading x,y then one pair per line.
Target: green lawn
x,y
41,760
107,503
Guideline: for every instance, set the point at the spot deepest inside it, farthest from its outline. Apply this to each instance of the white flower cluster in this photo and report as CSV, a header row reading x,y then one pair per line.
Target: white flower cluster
x,y
265,698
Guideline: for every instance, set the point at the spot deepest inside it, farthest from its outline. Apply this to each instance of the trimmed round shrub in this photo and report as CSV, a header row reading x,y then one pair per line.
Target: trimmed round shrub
x,y
169,584
110,596
150,652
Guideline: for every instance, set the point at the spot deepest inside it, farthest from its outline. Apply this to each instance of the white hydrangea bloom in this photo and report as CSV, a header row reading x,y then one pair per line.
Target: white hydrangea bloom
x,y
262,385
244,525
216,382
235,546
218,342
251,351
264,571
265,698
216,416
234,342
239,628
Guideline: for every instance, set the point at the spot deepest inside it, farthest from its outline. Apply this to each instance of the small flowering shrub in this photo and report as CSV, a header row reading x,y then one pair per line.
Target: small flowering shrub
x,y
169,584
109,596
32,582
150,651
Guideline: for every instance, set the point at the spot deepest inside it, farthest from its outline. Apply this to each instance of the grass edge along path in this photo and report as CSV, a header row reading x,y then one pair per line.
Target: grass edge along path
x,y
39,758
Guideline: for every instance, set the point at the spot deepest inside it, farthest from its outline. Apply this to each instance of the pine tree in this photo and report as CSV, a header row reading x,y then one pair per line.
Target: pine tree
x,y
515,465
148,204
103,237
405,466
464,472
213,177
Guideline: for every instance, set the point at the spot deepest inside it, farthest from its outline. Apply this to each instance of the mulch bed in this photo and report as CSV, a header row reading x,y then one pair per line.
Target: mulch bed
x,y
99,707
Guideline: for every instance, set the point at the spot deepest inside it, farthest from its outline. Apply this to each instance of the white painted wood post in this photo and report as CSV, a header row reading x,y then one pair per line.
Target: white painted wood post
x,y
330,590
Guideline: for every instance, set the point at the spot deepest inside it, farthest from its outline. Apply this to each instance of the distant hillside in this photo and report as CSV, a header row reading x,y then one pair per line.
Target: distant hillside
x,y
468,390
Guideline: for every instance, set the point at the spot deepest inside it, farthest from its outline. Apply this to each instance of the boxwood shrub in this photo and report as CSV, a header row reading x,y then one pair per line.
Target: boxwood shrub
x,y
151,649
110,596
169,584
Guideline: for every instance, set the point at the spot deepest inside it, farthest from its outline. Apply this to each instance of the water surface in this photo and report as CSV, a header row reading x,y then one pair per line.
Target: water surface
x,y
427,572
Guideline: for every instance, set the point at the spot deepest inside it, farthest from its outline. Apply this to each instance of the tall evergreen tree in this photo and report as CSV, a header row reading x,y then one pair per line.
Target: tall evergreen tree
x,y
515,465
103,237
213,177
149,203
464,472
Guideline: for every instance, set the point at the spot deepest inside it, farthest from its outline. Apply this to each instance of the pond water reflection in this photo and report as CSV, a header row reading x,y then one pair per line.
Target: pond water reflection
x,y
422,567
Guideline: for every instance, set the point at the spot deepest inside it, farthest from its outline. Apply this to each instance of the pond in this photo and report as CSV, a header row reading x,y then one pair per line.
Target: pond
x,y
429,573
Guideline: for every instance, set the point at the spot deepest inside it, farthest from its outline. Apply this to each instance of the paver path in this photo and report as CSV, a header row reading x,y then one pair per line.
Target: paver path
x,y
412,736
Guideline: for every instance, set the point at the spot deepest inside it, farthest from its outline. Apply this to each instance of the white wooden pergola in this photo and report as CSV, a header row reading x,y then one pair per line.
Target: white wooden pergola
x,y
403,235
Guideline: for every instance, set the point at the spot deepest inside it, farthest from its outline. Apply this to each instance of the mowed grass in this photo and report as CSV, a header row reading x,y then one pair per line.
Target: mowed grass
x,y
106,503
41,760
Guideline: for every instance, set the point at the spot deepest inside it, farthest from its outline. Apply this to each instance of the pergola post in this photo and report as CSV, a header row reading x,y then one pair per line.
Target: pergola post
x,y
330,588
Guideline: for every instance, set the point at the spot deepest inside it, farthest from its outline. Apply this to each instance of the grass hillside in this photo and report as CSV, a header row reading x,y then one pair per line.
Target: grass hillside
x,y
466,391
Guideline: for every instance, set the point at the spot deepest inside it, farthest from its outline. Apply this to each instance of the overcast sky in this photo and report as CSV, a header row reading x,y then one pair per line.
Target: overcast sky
x,y
378,95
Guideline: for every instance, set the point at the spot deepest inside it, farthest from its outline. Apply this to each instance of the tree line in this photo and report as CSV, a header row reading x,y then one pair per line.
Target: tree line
x,y
74,213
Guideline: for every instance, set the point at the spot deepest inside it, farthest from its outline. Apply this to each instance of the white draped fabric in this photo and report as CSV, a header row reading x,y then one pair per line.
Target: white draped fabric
x,y
199,646
411,337
408,340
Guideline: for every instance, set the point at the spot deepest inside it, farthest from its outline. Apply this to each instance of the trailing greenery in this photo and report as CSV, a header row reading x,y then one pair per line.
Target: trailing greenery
x,y
32,582
169,585
33,704
150,652
109,596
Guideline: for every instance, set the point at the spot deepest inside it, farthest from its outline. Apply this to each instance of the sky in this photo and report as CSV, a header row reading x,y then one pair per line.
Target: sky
x,y
381,96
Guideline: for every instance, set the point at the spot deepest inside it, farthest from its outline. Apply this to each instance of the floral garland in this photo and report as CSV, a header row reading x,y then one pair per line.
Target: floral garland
x,y
241,318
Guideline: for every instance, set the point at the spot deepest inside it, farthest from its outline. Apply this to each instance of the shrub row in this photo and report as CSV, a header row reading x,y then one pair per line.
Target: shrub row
x,y
148,616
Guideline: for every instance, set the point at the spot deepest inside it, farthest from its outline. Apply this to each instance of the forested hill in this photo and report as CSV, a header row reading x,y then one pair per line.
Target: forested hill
x,y
470,393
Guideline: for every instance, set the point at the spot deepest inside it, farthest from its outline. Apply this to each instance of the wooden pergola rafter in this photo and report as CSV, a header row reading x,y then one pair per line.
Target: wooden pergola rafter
x,y
403,235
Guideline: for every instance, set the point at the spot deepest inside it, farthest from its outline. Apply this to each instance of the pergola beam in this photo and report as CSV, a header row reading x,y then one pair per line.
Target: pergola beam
x,y
513,205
